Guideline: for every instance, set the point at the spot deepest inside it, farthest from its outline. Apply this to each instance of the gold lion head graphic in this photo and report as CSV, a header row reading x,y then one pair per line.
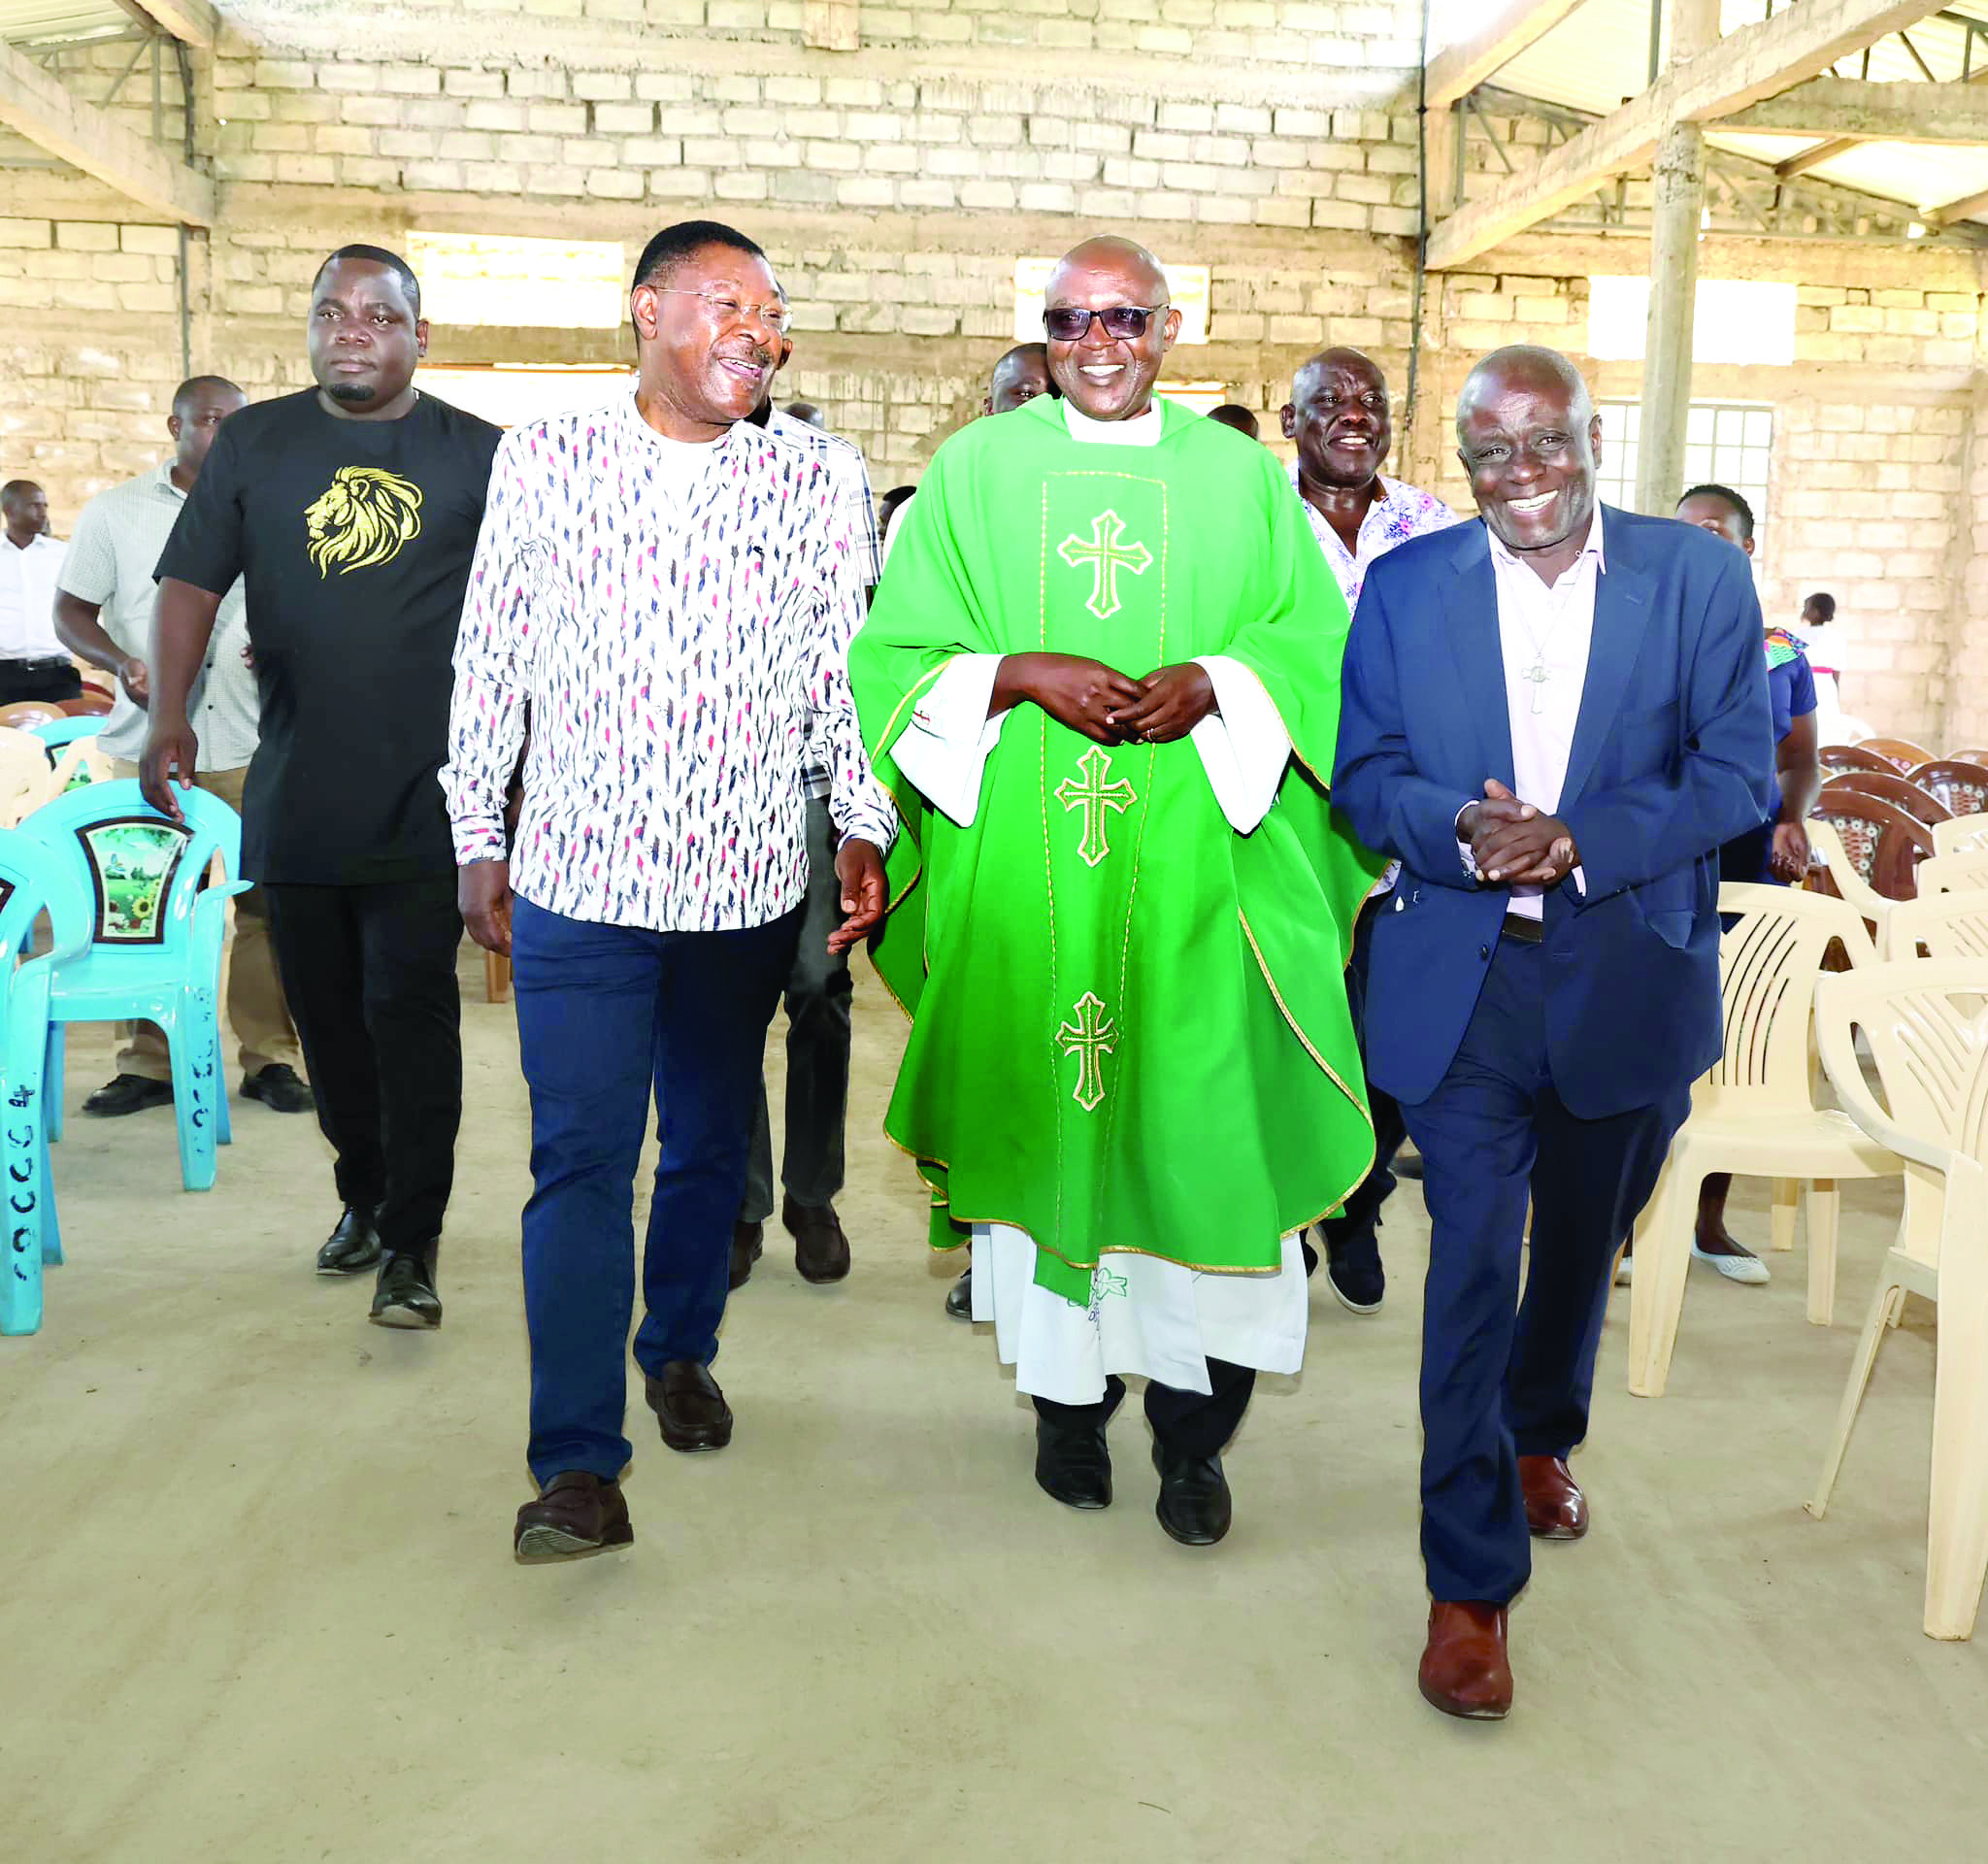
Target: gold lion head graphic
x,y
362,519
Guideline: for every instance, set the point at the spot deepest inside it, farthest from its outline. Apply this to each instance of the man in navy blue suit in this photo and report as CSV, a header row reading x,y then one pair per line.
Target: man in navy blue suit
x,y
1553,717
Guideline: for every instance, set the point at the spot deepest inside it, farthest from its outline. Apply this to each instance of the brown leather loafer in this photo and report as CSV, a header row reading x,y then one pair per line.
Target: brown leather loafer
x,y
749,1244
1555,1508
1465,1671
575,1515
689,1406
821,1251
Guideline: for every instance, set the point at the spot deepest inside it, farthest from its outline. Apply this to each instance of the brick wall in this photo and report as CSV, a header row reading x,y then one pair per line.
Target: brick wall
x,y
897,186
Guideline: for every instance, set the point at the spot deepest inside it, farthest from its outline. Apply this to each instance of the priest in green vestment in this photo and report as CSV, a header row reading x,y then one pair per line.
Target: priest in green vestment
x,y
1101,678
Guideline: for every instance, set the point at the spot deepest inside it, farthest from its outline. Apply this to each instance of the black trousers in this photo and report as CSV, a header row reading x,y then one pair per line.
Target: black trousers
x,y
370,976
1361,1217
817,1000
50,680
1184,1421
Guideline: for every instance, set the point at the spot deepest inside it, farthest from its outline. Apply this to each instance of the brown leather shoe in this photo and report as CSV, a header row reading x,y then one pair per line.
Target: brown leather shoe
x,y
689,1406
821,1251
1555,1508
575,1515
748,1243
1465,1671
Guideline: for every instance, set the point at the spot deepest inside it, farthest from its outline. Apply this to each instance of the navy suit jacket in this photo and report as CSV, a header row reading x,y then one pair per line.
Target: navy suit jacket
x,y
1672,754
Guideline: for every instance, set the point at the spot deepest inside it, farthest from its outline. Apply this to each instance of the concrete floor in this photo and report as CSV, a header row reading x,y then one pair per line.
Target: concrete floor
x,y
260,1604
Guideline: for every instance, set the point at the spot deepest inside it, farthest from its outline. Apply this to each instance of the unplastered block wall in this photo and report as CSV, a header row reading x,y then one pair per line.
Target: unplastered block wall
x,y
1874,438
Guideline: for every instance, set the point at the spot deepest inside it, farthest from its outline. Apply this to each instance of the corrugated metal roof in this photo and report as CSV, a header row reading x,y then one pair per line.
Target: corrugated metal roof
x,y
1599,56
29,22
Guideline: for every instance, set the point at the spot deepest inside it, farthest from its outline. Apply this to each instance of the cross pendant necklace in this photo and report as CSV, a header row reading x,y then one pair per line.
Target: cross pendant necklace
x,y
1536,675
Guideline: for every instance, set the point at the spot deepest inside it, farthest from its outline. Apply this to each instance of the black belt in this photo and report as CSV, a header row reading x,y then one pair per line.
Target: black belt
x,y
1523,930
45,663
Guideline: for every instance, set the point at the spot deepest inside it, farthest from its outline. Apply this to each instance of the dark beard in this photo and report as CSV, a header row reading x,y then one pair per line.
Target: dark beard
x,y
357,393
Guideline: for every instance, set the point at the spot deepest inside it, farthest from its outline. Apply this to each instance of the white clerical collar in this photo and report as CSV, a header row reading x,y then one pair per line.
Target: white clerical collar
x,y
1510,559
1141,430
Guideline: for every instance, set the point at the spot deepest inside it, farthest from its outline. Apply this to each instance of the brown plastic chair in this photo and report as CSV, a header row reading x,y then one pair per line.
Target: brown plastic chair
x,y
1840,757
1962,786
1917,801
24,714
1900,752
90,704
1882,844
1967,758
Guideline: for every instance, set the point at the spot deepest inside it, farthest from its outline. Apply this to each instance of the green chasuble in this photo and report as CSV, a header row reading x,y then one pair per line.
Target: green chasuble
x,y
1129,1024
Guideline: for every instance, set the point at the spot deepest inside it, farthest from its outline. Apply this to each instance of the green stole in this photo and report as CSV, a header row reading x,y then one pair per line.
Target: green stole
x,y
1129,1024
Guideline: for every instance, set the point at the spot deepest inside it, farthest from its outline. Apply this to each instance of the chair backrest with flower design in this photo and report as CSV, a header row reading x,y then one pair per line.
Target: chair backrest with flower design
x,y
1902,754
1961,787
1840,757
1919,803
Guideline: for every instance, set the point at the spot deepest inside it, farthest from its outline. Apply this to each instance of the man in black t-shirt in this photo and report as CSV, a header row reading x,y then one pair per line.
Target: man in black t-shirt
x,y
351,514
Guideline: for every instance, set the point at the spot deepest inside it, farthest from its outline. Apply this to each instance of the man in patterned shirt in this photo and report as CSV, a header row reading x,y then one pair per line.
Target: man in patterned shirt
x,y
818,993
1339,416
668,588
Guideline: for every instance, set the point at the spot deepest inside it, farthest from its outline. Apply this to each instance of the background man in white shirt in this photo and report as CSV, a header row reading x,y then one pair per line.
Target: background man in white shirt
x,y
1545,984
103,614
1340,418
32,662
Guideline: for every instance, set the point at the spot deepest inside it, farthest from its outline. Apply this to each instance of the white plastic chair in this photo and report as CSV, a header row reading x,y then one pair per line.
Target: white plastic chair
x,y
25,777
1755,1114
80,761
1965,870
1964,835
1941,925
1871,905
1927,1026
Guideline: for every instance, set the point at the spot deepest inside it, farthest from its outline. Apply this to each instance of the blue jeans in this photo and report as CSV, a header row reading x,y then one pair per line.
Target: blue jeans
x,y
1504,1378
604,1012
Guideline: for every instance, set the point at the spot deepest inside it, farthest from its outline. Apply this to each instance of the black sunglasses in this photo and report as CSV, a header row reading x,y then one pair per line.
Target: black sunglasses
x,y
1067,324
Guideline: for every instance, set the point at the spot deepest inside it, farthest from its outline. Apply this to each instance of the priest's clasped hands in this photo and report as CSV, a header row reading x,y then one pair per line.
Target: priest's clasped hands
x,y
1512,843
1105,705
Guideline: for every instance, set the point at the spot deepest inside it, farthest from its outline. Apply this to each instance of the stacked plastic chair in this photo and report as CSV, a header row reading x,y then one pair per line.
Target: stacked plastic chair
x,y
155,952
33,881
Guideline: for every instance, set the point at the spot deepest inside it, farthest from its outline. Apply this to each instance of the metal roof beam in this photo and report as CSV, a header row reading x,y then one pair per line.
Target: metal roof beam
x,y
1461,67
36,104
1748,66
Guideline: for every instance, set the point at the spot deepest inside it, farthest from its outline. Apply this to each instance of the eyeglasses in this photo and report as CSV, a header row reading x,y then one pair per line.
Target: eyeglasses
x,y
776,317
1069,324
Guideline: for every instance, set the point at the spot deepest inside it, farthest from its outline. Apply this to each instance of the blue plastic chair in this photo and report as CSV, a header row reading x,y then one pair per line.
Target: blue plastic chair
x,y
58,732
32,879
155,943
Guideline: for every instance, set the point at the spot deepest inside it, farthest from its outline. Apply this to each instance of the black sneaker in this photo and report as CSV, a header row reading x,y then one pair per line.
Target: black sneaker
x,y
279,1086
405,1296
355,1245
128,1094
1353,1269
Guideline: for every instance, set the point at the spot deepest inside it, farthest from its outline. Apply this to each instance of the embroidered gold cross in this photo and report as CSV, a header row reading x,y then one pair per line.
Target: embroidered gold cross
x,y
1095,797
1091,1036
1107,553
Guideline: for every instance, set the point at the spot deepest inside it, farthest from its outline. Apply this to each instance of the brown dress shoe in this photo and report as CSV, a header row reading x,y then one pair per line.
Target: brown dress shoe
x,y
1555,1508
748,1242
821,1251
689,1406
1465,1671
576,1514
